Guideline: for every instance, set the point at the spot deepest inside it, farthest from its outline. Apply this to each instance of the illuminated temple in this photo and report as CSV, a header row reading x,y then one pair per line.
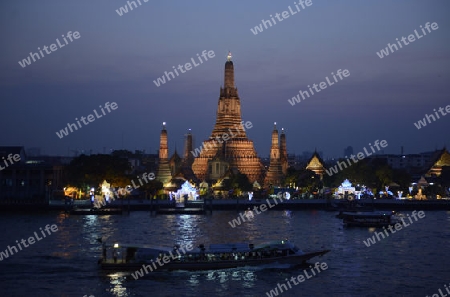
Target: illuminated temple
x,y
228,149
237,152
274,174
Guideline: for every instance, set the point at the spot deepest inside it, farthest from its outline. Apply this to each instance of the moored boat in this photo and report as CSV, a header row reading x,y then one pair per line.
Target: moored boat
x,y
96,211
180,210
217,256
368,219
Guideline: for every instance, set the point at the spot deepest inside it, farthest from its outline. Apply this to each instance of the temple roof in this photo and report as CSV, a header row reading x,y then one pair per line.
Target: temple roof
x,y
315,161
439,159
184,173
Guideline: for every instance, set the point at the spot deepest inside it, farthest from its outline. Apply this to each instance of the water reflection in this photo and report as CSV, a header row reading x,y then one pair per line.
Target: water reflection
x,y
245,277
116,285
183,229
64,246
193,280
287,214
405,263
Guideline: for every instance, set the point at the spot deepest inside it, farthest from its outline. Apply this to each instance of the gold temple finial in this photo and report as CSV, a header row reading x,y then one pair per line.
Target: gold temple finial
x,y
229,56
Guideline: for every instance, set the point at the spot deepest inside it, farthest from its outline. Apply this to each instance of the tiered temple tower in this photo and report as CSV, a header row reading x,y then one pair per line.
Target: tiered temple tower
x,y
228,141
163,174
283,153
274,175
188,158
185,170
175,162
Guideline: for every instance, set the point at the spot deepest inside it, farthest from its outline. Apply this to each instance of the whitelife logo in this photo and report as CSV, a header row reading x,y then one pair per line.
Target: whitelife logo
x,y
379,235
440,292
423,123
53,48
319,267
150,176
411,38
162,80
90,118
323,85
285,14
359,155
11,250
146,269
11,159
122,10
212,143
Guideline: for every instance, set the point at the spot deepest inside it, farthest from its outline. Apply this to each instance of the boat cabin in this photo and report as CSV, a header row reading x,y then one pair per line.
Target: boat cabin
x,y
126,253
368,219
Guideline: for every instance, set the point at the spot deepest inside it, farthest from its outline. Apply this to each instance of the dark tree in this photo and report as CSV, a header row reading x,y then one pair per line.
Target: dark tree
x,y
444,178
238,182
151,187
403,178
94,169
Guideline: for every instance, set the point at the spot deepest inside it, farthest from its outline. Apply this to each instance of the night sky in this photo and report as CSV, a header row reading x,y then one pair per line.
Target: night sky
x,y
117,58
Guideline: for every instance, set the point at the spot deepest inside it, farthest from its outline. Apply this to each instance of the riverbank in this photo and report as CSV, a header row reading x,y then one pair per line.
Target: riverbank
x,y
229,204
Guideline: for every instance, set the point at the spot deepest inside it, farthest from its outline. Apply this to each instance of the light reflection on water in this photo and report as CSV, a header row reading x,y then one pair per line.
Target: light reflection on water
x,y
117,288
414,257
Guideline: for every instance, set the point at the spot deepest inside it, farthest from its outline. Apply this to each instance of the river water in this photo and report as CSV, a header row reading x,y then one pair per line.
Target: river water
x,y
412,262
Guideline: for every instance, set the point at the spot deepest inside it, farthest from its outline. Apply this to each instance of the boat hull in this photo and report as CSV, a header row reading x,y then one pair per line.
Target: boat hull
x,y
367,219
103,211
292,260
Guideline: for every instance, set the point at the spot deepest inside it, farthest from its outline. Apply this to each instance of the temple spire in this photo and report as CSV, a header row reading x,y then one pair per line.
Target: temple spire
x,y
163,146
229,73
274,174
228,147
188,158
164,174
283,153
275,137
229,109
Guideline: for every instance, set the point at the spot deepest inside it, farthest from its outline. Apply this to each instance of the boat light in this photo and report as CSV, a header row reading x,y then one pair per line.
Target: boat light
x,y
116,245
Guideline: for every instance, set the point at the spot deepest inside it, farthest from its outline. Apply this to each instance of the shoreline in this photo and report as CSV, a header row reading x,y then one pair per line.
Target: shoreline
x,y
229,204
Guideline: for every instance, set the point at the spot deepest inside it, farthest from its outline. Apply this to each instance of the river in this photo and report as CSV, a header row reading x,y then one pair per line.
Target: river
x,y
412,262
